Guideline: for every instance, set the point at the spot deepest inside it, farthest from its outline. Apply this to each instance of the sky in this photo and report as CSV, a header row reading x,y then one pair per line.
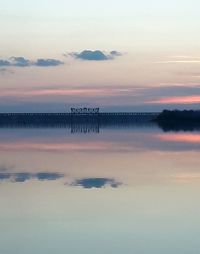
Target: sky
x,y
117,55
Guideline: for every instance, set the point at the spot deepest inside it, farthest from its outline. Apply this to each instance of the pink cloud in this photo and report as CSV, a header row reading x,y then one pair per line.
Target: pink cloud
x,y
177,100
66,92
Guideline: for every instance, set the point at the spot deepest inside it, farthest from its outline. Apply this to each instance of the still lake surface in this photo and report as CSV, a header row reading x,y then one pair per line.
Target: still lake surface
x,y
115,190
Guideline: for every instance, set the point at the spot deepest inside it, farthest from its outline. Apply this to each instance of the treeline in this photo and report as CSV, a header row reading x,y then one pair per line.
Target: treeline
x,y
179,116
177,120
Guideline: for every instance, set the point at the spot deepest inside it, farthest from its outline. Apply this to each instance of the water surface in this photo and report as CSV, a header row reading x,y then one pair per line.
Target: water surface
x,y
114,190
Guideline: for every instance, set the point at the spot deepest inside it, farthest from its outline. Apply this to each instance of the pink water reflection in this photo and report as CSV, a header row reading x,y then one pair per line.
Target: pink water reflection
x,y
193,138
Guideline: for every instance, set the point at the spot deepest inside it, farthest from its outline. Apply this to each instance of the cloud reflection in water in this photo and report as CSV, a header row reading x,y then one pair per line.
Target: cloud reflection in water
x,y
23,176
89,183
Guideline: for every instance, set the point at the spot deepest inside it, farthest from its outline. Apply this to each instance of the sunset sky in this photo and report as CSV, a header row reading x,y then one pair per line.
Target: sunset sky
x,y
118,55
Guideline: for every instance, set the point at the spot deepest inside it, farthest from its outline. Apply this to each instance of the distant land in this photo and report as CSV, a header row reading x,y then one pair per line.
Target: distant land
x,y
179,115
177,120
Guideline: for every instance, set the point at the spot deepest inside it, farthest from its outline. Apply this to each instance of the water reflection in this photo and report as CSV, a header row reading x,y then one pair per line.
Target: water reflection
x,y
89,183
186,138
24,176
111,140
93,126
126,190
178,127
136,155
85,128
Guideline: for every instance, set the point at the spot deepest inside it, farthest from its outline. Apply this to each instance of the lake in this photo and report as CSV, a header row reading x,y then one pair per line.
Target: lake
x,y
112,190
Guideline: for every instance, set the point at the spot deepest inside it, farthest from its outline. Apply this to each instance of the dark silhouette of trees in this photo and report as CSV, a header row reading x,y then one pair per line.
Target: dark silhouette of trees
x,y
178,115
177,120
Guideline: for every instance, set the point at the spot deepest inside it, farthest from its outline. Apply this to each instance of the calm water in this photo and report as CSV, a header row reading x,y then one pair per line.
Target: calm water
x,y
116,191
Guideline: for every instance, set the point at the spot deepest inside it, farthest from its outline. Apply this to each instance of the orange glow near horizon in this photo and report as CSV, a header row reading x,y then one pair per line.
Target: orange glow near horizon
x,y
177,100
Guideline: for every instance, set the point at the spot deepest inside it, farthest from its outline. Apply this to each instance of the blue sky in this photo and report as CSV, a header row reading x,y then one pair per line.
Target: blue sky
x,y
157,44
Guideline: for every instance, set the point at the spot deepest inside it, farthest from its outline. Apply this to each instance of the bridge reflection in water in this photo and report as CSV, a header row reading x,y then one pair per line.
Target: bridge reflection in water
x,y
82,123
85,128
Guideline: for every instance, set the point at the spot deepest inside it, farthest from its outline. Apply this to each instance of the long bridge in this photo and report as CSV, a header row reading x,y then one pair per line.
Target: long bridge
x,y
56,119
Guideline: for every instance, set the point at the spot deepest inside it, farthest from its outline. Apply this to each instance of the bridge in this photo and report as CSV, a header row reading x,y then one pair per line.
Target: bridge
x,y
56,119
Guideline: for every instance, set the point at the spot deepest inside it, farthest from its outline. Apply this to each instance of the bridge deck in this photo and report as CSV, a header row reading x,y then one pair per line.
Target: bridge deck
x,y
83,114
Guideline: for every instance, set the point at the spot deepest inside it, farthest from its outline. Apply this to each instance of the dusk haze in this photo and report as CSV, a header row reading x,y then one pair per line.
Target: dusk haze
x,y
99,126
118,55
